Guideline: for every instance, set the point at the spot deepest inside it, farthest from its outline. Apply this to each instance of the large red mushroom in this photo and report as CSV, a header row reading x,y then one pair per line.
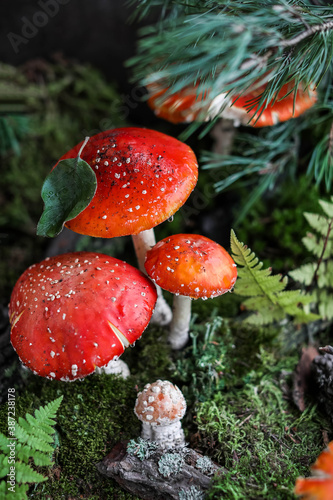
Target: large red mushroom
x,y
143,178
190,266
74,312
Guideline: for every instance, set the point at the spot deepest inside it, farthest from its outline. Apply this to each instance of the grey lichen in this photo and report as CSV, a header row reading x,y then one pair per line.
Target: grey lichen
x,y
141,448
191,493
205,465
170,464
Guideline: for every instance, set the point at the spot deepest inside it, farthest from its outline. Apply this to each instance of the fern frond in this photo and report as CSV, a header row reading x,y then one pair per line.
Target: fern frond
x,y
45,414
319,275
267,295
318,222
32,427
33,436
327,207
325,304
23,453
25,474
315,246
19,493
32,441
304,274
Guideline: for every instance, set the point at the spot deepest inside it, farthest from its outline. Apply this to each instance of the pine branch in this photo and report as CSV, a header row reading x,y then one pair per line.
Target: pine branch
x,y
266,292
310,31
230,47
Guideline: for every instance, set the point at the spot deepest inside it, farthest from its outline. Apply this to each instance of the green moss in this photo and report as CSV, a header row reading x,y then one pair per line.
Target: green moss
x,y
150,359
239,413
95,414
258,435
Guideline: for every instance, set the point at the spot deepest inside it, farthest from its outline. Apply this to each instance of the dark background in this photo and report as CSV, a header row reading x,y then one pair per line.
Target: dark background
x,y
95,31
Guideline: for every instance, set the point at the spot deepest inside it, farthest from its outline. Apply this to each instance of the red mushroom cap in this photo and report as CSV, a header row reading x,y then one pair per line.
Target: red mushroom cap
x,y
319,486
180,107
143,177
185,105
160,403
280,111
191,265
76,311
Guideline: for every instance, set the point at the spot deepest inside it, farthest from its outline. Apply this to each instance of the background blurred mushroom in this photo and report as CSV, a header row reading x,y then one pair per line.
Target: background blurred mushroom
x,y
189,104
74,312
319,486
160,407
143,178
190,266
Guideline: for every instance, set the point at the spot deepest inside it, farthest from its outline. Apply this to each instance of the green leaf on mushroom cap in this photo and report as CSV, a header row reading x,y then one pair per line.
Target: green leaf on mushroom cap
x,y
66,192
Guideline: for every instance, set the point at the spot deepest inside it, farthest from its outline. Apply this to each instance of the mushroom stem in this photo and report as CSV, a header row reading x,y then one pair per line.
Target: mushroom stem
x,y
115,367
166,436
180,324
143,242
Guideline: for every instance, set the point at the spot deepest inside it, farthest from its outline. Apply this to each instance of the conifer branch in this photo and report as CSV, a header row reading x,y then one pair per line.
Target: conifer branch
x,y
310,31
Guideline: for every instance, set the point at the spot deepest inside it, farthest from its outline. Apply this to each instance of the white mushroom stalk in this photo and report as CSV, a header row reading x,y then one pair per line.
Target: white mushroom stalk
x,y
143,242
180,324
115,367
160,407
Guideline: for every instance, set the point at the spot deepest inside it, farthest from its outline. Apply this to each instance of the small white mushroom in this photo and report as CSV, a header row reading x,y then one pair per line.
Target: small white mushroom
x,y
160,407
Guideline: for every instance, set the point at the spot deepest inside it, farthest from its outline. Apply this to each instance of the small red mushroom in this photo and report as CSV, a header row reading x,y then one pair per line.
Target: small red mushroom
x,y
74,312
143,178
160,407
190,266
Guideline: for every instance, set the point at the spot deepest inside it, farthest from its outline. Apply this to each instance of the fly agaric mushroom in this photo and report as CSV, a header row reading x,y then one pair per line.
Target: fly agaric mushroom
x,y
143,178
160,407
320,485
186,106
190,266
74,312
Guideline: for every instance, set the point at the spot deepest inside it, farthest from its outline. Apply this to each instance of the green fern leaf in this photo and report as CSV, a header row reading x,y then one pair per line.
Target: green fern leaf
x,y
18,493
25,474
304,274
47,413
319,274
327,207
4,467
267,295
35,430
39,426
3,443
33,437
33,441
315,245
325,304
318,222
23,453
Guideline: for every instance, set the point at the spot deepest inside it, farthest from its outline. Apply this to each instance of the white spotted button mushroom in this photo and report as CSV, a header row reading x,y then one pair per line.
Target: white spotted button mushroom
x,y
160,407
